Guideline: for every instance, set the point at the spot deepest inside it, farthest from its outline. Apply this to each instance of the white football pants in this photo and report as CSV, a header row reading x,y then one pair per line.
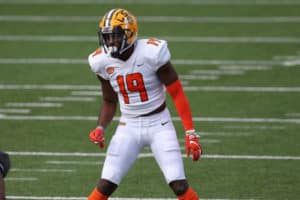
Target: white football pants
x,y
132,134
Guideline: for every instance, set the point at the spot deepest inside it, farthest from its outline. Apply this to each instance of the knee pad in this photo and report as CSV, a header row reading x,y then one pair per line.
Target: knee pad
x,y
4,164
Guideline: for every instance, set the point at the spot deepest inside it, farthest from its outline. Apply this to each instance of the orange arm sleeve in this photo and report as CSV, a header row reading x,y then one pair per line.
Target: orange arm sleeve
x,y
181,103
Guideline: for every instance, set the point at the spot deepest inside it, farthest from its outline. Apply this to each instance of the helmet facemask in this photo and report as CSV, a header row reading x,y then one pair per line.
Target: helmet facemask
x,y
114,41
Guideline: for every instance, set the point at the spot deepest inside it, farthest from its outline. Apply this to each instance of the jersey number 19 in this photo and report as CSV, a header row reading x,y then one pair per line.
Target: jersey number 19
x,y
132,83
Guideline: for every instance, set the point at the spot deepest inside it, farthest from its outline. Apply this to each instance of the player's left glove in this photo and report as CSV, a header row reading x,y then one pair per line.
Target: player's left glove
x,y
97,136
193,145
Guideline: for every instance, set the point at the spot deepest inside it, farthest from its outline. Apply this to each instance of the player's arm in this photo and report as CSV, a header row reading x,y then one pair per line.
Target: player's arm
x,y
169,77
109,103
106,113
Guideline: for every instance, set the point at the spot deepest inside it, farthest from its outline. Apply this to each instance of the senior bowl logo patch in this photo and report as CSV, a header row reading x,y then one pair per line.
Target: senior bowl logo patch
x,y
110,70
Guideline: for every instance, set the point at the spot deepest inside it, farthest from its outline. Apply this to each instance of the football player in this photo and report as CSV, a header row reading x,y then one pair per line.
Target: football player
x,y
136,73
4,168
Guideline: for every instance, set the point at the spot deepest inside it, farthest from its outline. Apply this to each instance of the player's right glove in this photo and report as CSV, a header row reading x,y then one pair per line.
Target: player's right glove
x,y
97,136
192,144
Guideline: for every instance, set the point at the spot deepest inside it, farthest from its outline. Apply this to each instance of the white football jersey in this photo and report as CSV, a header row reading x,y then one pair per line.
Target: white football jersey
x,y
135,80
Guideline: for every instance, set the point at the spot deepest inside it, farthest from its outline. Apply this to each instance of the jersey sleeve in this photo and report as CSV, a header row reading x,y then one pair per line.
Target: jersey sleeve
x,y
163,55
95,60
156,52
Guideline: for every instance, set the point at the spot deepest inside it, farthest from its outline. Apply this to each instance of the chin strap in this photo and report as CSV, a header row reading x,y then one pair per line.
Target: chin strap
x,y
181,103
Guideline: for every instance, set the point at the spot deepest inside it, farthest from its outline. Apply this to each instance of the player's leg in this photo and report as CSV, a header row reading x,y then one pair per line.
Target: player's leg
x,y
121,154
170,162
167,152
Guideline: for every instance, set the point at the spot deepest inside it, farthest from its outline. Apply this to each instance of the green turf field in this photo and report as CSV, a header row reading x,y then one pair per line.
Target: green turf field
x,y
239,61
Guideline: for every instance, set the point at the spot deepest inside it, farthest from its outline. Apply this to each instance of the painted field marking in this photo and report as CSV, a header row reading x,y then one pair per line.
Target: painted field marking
x,y
220,39
21,179
44,170
151,19
198,77
57,162
112,198
96,88
225,134
203,141
72,99
43,61
145,155
221,71
18,111
76,61
196,119
254,127
241,89
156,2
48,87
86,93
33,104
292,63
245,68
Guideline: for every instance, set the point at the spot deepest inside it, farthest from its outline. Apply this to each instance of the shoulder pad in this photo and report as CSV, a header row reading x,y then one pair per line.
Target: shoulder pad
x,y
156,51
97,61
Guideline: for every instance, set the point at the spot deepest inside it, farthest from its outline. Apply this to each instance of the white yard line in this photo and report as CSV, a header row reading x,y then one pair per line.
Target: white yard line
x,y
225,134
18,111
241,89
198,77
157,2
157,19
112,198
244,68
33,104
218,72
12,197
71,38
254,127
94,89
292,63
145,155
196,119
86,93
43,61
21,179
218,19
57,162
225,62
69,99
76,61
48,87
44,170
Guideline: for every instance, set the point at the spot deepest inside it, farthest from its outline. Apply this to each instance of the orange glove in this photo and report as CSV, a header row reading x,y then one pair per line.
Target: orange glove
x,y
97,136
192,144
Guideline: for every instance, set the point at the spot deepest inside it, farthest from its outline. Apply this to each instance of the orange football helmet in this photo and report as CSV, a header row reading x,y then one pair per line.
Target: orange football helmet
x,y
118,31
